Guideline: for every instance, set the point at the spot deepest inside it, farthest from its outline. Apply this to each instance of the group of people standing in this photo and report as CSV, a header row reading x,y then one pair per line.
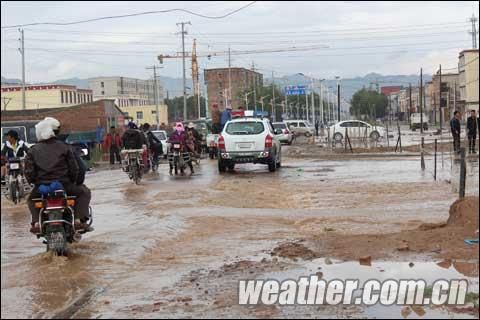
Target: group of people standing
x,y
473,123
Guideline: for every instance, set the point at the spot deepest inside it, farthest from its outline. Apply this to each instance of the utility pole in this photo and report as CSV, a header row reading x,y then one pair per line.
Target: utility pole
x,y
229,77
313,102
274,110
184,75
409,104
22,52
338,97
440,108
254,87
155,93
421,101
474,20
306,104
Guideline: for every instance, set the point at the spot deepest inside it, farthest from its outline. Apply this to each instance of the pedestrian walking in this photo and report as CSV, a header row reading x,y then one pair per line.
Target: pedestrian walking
x,y
317,123
113,143
473,122
455,128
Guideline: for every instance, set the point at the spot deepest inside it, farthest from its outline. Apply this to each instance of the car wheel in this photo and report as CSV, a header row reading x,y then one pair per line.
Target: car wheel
x,y
374,136
338,137
272,166
221,167
231,167
279,163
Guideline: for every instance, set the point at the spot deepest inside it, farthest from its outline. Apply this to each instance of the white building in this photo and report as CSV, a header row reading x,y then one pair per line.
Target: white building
x,y
126,91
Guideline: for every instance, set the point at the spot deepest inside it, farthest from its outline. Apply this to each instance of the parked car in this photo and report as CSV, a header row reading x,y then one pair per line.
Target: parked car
x,y
249,140
356,129
300,127
163,137
287,135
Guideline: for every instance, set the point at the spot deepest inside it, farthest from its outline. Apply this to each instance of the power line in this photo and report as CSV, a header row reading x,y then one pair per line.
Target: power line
x,y
243,52
237,43
387,28
131,15
296,32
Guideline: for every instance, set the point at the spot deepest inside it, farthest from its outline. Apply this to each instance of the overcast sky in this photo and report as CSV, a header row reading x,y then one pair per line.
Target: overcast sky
x,y
349,38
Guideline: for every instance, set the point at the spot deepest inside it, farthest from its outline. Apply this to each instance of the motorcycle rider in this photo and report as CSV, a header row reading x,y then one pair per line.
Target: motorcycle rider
x,y
198,137
155,145
52,160
12,148
133,138
179,137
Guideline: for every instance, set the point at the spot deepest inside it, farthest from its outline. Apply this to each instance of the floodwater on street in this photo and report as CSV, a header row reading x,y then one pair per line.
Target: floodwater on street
x,y
176,246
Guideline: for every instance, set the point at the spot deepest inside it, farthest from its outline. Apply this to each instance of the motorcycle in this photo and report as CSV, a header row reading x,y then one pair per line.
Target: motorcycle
x,y
16,186
133,164
178,159
212,143
57,225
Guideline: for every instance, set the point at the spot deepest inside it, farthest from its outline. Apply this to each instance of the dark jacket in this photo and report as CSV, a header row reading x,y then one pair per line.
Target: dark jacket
x,y
152,139
51,160
455,126
133,139
82,167
472,126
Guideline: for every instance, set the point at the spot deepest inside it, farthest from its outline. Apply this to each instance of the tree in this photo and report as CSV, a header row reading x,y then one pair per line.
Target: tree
x,y
369,104
175,108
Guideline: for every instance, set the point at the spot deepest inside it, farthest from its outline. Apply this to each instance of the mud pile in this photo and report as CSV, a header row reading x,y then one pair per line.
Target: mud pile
x,y
464,214
443,240
294,250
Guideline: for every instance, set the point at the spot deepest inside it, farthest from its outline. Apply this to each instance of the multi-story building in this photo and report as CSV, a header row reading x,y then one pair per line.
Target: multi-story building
x,y
147,114
43,96
450,96
126,91
218,82
468,79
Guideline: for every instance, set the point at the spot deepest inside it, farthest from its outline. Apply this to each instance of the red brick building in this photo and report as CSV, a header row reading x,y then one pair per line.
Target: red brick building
x,y
81,118
217,81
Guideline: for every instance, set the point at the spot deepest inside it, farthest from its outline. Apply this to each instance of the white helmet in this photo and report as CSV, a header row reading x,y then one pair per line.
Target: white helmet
x,y
44,130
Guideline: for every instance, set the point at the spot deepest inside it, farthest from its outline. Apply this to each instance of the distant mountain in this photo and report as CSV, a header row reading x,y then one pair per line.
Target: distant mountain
x,y
10,81
79,83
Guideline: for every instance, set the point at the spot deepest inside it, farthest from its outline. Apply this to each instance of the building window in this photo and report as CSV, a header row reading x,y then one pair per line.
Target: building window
x,y
71,98
154,112
61,93
75,97
139,115
102,84
103,93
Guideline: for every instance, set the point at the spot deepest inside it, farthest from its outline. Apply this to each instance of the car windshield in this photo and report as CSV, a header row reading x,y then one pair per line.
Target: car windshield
x,y
160,135
279,125
250,127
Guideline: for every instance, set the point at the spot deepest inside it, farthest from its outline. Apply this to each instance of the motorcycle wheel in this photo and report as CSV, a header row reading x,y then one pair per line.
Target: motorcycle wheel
x,y
137,176
57,243
14,191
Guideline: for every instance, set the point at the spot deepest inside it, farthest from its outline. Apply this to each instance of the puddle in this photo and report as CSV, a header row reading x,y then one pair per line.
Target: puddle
x,y
382,271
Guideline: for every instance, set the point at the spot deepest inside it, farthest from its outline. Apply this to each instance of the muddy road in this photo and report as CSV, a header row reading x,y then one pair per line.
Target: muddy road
x,y
176,246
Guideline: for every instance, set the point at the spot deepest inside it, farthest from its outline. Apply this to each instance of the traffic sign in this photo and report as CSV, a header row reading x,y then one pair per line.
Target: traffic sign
x,y
294,90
